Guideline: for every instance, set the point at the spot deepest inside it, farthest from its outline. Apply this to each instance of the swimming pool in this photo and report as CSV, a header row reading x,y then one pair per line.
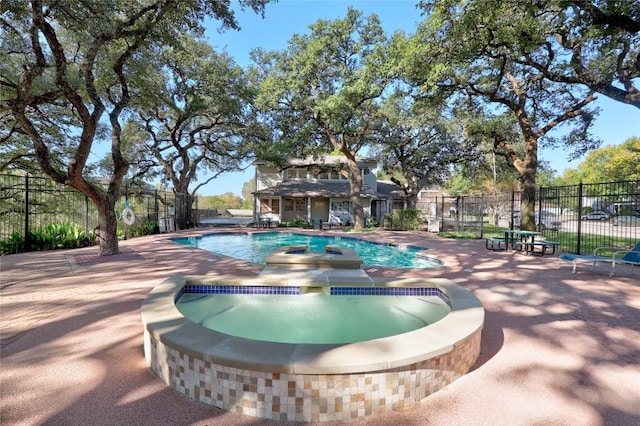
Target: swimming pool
x,y
255,247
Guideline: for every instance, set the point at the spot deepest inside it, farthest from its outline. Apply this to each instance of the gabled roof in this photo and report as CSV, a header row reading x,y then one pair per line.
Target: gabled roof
x,y
324,160
301,188
390,189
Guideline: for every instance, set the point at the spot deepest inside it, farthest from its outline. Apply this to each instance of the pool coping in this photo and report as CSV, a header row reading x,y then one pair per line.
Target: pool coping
x,y
334,257
165,323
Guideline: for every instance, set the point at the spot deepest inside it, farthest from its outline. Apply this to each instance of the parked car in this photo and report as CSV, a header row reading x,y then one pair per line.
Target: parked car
x,y
548,221
596,215
626,220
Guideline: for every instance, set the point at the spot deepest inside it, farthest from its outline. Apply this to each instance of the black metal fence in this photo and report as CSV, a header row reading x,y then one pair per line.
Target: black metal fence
x,y
29,202
593,215
579,217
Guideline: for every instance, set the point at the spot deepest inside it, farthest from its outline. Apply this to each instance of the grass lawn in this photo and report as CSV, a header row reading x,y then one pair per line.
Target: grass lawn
x,y
568,240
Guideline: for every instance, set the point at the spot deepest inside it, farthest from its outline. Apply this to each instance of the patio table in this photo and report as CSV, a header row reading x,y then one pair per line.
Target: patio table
x,y
514,236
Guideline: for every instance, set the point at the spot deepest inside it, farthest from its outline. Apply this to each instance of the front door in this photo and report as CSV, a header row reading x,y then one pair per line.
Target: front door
x,y
320,208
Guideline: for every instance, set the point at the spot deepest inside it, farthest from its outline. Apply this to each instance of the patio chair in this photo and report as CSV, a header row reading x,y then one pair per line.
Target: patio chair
x,y
625,257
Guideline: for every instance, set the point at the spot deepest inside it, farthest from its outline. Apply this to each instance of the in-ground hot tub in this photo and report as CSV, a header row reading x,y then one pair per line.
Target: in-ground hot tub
x,y
309,382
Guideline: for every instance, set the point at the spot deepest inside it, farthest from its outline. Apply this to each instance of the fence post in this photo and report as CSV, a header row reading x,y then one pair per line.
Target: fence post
x,y
126,198
27,234
156,208
441,214
513,207
86,215
482,207
538,225
579,230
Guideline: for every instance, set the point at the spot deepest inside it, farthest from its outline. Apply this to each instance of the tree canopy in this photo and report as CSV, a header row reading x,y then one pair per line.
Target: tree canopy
x,y
321,92
476,51
420,142
189,116
610,163
68,65
594,43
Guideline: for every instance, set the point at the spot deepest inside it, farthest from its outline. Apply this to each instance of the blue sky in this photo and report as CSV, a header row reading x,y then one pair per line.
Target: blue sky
x,y
616,122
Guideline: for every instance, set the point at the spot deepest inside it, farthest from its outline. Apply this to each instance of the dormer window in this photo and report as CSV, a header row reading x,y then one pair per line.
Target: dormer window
x,y
330,174
296,173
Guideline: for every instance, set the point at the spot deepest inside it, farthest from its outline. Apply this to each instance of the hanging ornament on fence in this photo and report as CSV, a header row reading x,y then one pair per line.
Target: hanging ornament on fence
x,y
128,216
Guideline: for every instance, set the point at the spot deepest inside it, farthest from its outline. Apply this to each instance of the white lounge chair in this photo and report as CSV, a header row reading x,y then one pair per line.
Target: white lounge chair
x,y
618,256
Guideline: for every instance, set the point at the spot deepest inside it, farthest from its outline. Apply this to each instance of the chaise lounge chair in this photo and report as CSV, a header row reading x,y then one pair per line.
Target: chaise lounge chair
x,y
626,257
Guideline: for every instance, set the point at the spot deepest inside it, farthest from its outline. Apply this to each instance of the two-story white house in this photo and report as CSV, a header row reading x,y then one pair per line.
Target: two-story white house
x,y
314,189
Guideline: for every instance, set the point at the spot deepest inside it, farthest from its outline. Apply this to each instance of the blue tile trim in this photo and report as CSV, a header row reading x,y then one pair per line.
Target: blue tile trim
x,y
237,289
333,252
335,291
390,291
179,294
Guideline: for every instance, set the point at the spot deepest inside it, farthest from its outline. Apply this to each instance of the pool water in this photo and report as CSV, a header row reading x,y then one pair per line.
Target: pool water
x,y
256,247
317,318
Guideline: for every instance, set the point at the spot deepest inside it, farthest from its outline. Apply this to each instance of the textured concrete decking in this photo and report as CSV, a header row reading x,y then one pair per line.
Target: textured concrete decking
x,y
557,348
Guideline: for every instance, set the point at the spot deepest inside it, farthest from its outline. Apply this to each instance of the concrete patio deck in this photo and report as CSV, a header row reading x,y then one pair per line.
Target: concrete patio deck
x,y
557,348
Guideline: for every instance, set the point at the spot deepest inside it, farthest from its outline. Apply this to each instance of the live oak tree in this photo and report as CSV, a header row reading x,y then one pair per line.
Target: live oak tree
x,y
320,94
67,64
593,43
611,163
190,117
419,141
247,192
476,50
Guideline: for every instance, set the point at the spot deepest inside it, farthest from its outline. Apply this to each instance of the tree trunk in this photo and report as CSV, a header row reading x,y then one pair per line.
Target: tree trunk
x,y
528,193
412,196
355,181
108,229
180,211
528,205
184,208
358,210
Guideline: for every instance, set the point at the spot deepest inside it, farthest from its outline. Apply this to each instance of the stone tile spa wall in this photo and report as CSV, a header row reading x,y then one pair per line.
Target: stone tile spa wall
x,y
310,382
309,397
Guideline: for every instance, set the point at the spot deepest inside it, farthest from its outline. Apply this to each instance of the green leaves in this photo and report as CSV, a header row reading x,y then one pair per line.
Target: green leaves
x,y
77,66
49,237
611,163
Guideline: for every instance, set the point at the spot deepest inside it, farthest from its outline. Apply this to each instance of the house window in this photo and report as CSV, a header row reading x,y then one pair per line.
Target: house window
x,y
331,174
335,175
295,204
296,173
288,204
270,205
341,206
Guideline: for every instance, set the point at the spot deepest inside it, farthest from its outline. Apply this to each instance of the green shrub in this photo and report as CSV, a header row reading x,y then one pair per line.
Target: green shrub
x,y
408,219
60,236
148,227
13,244
49,237
298,223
